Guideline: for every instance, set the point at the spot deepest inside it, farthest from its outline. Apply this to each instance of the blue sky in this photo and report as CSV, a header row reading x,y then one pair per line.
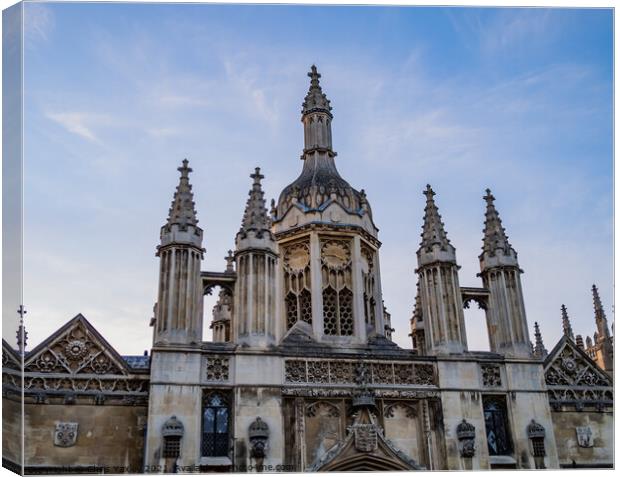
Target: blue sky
x,y
116,95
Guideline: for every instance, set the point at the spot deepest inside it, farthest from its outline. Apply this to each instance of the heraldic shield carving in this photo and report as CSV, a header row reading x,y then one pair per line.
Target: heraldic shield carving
x,y
65,434
365,437
584,436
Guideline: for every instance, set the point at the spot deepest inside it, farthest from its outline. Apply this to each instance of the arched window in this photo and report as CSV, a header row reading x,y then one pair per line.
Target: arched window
x,y
496,424
215,425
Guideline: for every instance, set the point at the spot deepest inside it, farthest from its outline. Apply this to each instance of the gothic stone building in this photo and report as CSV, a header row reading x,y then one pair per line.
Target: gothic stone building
x,y
301,374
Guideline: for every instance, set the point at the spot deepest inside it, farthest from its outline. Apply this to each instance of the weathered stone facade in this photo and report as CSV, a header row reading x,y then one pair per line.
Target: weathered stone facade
x,y
301,374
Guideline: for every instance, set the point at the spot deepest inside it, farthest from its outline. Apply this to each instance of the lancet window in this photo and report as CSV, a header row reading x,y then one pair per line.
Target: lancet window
x,y
337,287
297,285
496,424
368,277
215,425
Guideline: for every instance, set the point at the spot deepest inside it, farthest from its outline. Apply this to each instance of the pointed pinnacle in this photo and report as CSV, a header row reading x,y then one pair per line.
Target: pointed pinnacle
x,y
255,216
182,211
599,315
230,260
495,237
433,231
315,100
539,347
566,326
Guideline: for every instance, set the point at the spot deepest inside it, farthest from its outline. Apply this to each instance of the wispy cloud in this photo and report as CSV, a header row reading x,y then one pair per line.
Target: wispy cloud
x,y
505,29
38,24
77,123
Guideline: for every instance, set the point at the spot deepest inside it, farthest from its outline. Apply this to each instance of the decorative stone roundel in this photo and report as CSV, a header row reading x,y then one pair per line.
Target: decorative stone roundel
x,y
569,364
297,257
75,350
335,255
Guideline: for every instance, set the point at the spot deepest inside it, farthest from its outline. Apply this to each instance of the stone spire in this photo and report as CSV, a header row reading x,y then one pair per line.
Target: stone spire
x,y
435,245
255,217
182,210
539,348
315,100
599,315
495,241
501,275
568,330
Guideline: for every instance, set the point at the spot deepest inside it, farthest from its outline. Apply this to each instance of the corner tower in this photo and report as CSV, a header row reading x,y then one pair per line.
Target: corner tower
x,y
501,275
178,317
439,290
327,241
255,288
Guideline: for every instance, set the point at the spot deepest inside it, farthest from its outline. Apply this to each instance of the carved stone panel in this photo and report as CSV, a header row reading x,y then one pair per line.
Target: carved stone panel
x,y
323,428
216,368
491,375
584,436
379,373
65,434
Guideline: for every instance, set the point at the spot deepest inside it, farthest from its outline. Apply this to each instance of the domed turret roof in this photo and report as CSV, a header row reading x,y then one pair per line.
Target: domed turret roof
x,y
319,183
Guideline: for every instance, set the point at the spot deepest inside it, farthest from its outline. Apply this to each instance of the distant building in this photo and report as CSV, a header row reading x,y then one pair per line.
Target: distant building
x,y
302,374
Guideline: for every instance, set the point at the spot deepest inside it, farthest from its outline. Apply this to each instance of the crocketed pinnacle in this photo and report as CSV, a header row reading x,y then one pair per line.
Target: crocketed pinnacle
x,y
433,232
568,330
255,216
417,307
539,348
599,315
182,211
495,237
315,100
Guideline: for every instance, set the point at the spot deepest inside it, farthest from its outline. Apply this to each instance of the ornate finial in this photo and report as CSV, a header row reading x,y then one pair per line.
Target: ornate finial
x,y
599,316
255,216
428,192
184,169
314,76
22,334
579,341
257,176
566,326
489,198
274,210
433,232
182,210
315,100
230,262
495,238
539,347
